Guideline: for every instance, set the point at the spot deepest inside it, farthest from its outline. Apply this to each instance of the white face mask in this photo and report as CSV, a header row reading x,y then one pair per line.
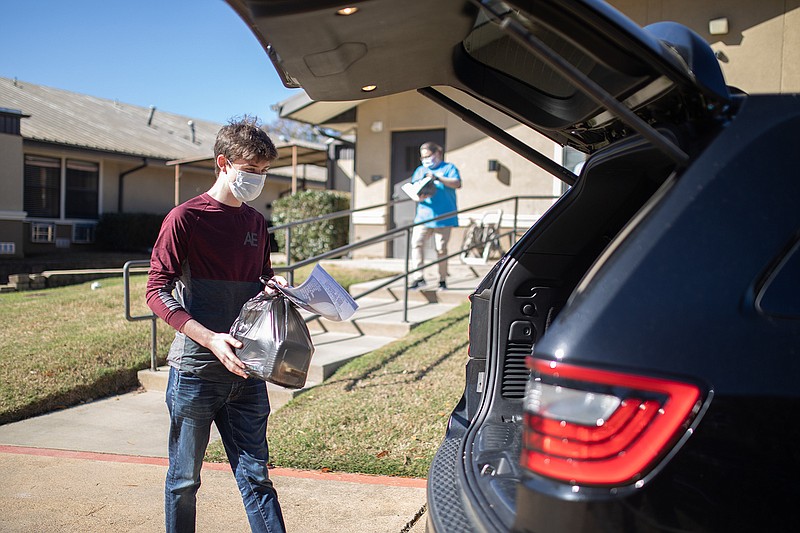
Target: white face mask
x,y
430,161
247,185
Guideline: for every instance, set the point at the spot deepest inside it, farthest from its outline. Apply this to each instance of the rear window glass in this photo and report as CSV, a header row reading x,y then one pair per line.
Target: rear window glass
x,y
493,47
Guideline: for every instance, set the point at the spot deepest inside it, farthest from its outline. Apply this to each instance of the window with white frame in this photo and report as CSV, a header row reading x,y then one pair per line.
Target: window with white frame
x,y
83,233
43,232
42,189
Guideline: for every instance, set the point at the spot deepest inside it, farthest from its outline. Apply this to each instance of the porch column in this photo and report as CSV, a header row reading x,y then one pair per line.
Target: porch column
x,y
294,168
177,184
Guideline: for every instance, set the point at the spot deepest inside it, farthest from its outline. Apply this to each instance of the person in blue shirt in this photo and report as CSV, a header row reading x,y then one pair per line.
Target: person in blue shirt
x,y
440,201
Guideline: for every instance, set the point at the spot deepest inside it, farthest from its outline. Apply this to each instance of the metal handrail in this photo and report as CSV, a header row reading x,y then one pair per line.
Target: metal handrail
x,y
126,278
391,234
342,250
336,214
328,216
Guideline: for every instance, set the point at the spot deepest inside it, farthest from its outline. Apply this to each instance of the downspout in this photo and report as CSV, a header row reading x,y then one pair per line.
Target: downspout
x,y
330,165
122,182
294,169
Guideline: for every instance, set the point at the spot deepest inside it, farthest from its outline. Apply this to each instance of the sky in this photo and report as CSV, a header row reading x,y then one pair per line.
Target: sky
x,y
190,57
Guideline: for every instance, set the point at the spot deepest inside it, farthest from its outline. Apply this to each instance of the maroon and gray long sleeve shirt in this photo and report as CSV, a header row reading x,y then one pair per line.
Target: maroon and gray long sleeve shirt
x,y
206,264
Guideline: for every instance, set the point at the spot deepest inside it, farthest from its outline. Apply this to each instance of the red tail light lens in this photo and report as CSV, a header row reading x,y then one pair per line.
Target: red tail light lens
x,y
597,427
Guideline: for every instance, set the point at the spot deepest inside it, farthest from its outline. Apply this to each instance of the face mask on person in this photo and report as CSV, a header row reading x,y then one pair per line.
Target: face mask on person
x,y
247,185
427,162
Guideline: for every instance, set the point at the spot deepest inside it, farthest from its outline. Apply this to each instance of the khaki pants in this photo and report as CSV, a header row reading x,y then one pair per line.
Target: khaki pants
x,y
419,235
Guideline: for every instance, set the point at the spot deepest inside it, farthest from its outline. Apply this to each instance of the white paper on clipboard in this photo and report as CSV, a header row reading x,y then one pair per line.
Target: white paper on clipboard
x,y
412,189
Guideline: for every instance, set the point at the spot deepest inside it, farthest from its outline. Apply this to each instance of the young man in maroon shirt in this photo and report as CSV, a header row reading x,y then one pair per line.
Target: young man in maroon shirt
x,y
206,263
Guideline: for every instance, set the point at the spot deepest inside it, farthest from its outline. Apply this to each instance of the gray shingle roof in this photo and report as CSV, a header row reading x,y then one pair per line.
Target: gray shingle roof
x,y
79,120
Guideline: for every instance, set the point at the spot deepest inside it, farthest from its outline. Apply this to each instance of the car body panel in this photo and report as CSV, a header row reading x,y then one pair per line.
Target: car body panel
x,y
672,268
541,271
711,239
694,218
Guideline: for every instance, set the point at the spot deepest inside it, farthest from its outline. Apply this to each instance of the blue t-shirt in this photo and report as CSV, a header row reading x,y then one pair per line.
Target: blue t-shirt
x,y
444,201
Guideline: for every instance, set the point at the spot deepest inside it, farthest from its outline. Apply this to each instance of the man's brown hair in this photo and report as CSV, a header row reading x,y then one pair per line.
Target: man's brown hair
x,y
431,147
243,138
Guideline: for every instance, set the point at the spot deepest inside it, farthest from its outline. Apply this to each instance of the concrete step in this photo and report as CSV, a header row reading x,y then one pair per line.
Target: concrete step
x,y
332,350
154,380
381,318
280,396
461,277
458,288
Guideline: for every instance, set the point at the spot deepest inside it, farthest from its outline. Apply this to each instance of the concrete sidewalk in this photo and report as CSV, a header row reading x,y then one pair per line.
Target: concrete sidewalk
x,y
100,467
47,490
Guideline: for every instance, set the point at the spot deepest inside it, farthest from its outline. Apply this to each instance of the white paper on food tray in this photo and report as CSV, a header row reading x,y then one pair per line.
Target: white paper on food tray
x,y
322,295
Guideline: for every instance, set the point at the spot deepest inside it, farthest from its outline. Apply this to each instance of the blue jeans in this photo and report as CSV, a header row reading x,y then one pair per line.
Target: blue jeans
x,y
240,411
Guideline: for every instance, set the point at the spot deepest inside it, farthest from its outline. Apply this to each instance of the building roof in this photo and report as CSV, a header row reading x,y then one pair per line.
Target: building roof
x,y
71,119
336,115
81,121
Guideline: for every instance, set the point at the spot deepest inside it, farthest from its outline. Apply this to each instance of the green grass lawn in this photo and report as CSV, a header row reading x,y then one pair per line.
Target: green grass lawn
x,y
383,413
63,346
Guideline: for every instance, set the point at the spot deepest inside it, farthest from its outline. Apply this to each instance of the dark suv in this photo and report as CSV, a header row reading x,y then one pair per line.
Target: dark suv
x,y
634,357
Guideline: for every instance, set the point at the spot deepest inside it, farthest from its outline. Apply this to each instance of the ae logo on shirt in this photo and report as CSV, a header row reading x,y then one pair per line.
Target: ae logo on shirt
x,y
251,238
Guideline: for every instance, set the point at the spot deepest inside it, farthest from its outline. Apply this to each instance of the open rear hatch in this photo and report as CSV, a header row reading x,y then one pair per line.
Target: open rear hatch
x,y
578,72
570,69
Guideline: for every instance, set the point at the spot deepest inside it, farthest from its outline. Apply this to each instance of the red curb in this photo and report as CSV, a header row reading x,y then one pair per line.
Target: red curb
x,y
162,461
92,456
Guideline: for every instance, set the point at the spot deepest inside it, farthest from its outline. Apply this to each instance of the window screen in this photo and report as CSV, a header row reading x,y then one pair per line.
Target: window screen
x,y
82,189
42,187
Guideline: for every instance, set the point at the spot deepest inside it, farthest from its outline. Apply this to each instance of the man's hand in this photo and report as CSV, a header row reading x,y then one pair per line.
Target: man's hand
x,y
428,190
277,280
220,344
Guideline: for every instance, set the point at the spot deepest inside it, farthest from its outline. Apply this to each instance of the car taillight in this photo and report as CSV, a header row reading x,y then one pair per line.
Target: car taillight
x,y
597,427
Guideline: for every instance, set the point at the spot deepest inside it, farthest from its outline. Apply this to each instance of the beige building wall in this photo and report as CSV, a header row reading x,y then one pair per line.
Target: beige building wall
x,y
11,196
466,147
147,190
761,51
790,80
10,172
152,190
